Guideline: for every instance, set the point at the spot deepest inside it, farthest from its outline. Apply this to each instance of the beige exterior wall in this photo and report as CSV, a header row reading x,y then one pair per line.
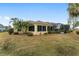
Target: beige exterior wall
x,y
38,32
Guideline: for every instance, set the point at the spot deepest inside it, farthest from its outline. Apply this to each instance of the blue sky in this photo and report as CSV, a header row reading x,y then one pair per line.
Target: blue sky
x,y
48,12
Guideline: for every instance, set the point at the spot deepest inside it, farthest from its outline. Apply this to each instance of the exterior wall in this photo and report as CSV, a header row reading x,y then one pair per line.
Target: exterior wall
x,y
38,32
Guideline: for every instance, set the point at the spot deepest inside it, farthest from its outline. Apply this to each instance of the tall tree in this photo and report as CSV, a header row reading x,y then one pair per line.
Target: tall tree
x,y
73,10
16,24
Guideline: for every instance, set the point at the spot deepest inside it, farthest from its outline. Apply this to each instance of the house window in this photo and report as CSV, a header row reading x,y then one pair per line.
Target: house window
x,y
41,28
44,28
50,28
31,28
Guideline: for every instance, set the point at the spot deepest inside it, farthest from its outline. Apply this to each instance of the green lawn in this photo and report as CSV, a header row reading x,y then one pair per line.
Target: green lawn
x,y
42,45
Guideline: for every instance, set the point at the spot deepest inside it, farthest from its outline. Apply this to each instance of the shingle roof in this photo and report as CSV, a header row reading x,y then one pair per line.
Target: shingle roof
x,y
42,23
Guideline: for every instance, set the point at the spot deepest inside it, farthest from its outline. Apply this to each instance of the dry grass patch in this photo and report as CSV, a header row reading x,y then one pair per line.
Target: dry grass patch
x,y
50,44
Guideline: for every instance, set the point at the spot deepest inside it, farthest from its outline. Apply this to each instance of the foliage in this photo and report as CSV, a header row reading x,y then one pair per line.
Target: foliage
x,y
16,24
15,33
77,32
30,34
20,25
10,31
25,26
73,10
77,23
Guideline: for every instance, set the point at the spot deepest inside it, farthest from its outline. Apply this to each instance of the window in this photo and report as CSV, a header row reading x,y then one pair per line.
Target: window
x,y
50,28
31,28
41,28
44,28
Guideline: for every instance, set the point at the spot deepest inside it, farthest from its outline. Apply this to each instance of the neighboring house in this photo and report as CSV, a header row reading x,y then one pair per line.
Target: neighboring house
x,y
58,25
40,27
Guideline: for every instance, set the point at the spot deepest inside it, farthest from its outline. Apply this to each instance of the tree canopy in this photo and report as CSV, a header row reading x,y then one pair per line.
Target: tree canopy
x,y
19,24
73,10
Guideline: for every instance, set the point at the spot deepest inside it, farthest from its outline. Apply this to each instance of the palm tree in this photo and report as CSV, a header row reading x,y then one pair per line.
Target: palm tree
x,y
25,26
16,24
73,10
20,25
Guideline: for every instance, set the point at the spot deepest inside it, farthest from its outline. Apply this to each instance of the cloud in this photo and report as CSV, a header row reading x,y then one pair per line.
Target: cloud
x,y
6,17
4,20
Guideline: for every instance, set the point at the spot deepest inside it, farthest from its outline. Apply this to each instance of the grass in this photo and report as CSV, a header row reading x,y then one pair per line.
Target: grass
x,y
42,45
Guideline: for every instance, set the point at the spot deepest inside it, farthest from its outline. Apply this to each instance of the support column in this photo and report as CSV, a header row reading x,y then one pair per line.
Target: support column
x,y
47,29
35,28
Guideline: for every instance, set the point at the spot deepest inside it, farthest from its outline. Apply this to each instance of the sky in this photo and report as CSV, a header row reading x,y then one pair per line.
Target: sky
x,y
48,12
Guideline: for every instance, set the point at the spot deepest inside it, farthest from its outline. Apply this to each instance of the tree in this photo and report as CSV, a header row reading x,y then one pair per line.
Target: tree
x,y
16,24
20,25
77,23
25,26
73,10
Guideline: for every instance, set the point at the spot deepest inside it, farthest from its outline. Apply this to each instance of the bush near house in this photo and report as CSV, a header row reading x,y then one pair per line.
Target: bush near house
x,y
11,31
77,32
15,33
29,34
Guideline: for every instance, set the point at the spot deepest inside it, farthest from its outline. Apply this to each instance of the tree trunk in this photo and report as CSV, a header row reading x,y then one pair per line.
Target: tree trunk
x,y
74,22
70,22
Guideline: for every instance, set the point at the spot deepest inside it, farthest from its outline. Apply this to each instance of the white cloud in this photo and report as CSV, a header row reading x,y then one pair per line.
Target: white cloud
x,y
4,20
6,17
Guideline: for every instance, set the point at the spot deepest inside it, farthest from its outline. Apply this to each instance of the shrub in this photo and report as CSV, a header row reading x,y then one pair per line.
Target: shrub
x,y
68,31
45,33
29,34
50,32
77,32
71,30
53,32
25,32
15,33
10,31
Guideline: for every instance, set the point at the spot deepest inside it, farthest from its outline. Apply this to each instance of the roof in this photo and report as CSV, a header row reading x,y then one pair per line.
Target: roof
x,y
41,23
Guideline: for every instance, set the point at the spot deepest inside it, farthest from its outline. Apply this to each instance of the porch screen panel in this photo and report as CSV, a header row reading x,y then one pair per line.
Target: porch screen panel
x,y
44,28
41,28
31,28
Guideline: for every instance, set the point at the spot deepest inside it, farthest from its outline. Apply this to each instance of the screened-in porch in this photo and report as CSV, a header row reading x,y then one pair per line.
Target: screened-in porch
x,y
39,28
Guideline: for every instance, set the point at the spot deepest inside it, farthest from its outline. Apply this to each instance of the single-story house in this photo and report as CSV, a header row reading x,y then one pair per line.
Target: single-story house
x,y
40,27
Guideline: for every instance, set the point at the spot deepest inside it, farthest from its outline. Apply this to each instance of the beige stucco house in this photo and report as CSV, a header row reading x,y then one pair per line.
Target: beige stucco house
x,y
39,27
